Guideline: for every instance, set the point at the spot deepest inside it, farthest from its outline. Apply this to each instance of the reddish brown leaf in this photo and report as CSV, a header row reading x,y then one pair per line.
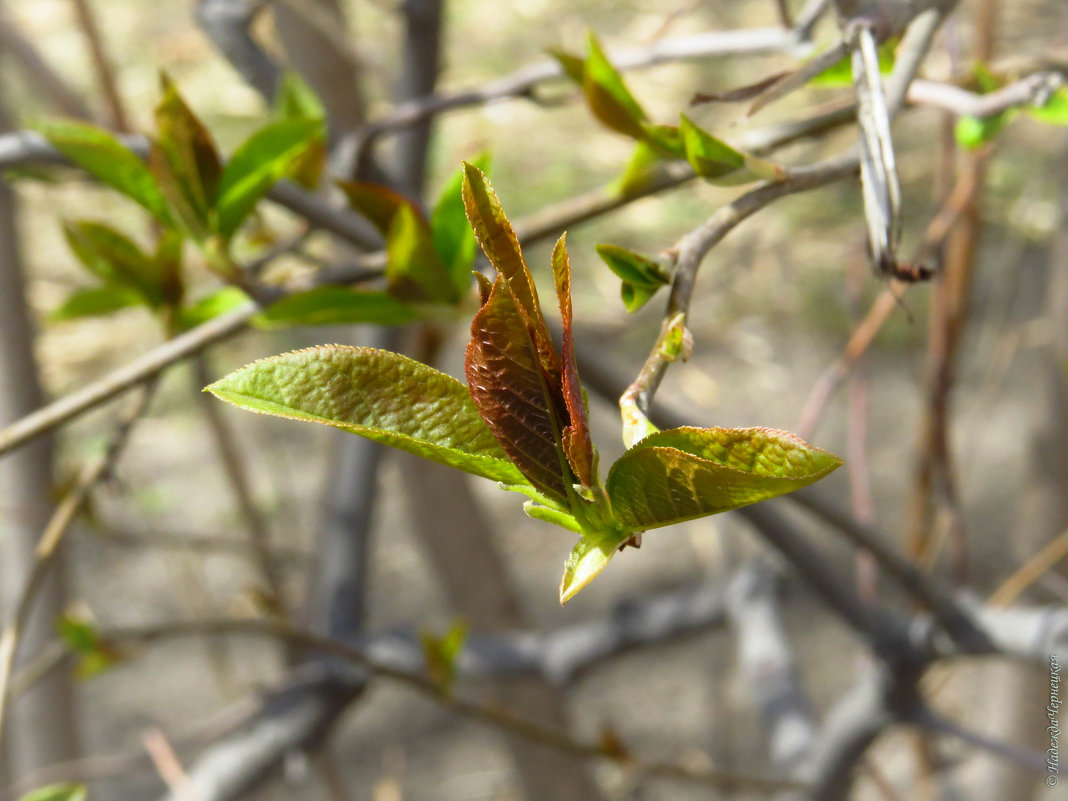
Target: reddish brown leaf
x,y
576,436
377,203
513,394
501,246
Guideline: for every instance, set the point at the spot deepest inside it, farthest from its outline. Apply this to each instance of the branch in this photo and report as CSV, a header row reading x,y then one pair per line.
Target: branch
x,y
635,402
1034,90
765,657
227,24
51,539
491,715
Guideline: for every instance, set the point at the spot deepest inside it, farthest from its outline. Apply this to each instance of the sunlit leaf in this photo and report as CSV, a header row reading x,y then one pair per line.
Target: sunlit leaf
x,y
1054,111
710,157
685,473
974,132
184,160
380,395
641,276
297,100
453,238
336,305
414,270
261,161
608,96
96,301
575,438
212,305
105,158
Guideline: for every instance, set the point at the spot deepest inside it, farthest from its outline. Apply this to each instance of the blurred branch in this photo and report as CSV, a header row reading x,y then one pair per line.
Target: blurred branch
x,y
764,655
491,715
25,148
52,538
1033,90
228,24
39,74
102,64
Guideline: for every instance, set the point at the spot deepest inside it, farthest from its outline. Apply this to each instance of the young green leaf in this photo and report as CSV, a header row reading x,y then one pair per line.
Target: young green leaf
x,y
185,161
575,438
441,653
685,473
210,306
453,238
336,305
379,204
297,100
665,140
57,792
608,96
379,395
105,158
718,162
114,258
587,559
840,74
974,132
265,157
1054,111
95,655
513,394
574,67
414,270
641,276
96,301
640,170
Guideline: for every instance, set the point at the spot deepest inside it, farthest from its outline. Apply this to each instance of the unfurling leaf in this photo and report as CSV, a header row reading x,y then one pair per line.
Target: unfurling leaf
x,y
685,473
514,395
575,438
185,161
95,654
380,395
523,418
1054,111
641,276
100,154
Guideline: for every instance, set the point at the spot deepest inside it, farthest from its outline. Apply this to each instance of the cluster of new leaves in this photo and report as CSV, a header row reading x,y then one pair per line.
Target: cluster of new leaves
x,y
613,104
190,195
522,419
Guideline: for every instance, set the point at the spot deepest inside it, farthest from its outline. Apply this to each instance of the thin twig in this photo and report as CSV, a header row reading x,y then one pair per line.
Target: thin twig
x,y
105,69
168,765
